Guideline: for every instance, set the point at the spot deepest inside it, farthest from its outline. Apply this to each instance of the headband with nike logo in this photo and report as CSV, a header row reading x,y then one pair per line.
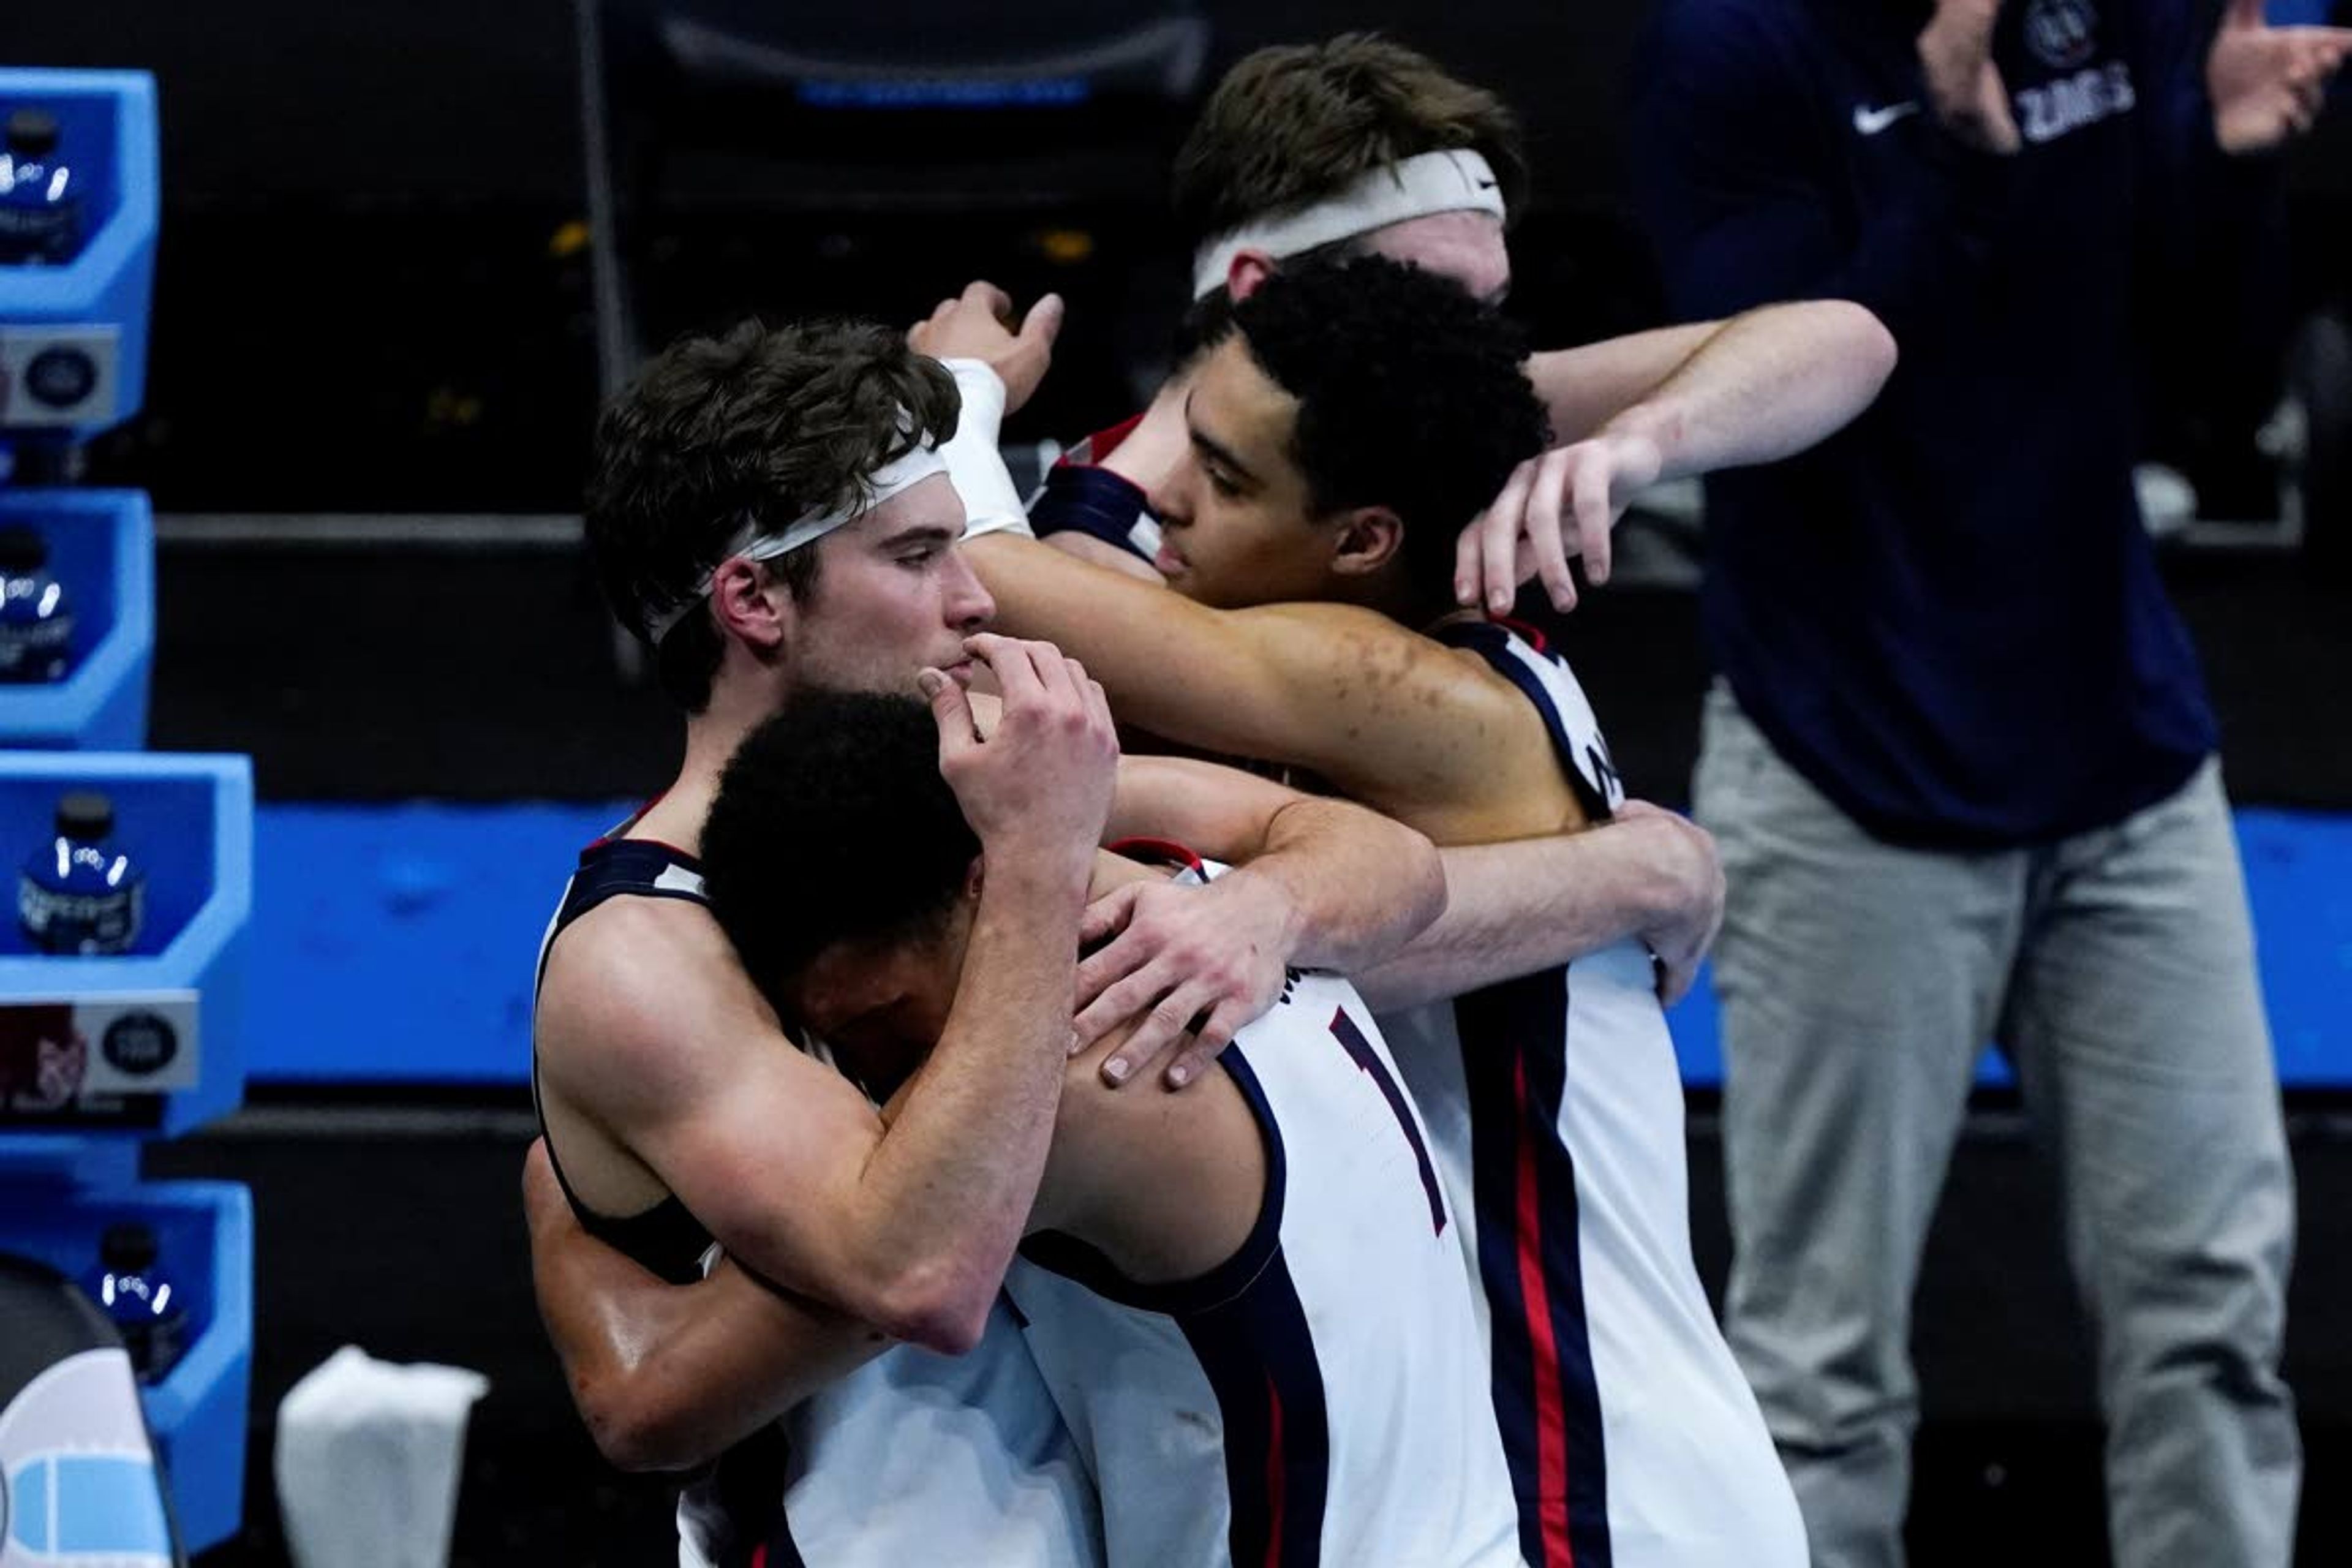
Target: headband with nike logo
x,y
1455,180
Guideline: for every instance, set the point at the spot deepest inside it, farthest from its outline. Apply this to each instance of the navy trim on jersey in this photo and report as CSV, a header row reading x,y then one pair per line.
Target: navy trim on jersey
x,y
1492,642
1547,1398
1245,1324
1259,1358
666,1237
1059,1253
734,1507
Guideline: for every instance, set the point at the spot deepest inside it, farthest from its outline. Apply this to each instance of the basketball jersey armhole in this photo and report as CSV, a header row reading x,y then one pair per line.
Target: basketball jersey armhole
x,y
605,854
1080,1262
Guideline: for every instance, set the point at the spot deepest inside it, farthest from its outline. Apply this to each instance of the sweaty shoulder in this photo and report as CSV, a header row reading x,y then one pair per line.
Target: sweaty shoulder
x,y
633,992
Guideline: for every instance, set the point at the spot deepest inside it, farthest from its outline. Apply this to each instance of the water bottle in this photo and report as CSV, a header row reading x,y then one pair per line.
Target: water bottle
x,y
35,617
79,893
41,205
138,1300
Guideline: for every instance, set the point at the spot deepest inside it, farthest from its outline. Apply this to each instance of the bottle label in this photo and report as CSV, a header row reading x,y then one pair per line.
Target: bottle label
x,y
37,228
35,650
84,923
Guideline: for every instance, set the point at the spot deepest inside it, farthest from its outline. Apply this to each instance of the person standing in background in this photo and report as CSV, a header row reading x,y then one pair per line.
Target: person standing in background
x,y
1959,760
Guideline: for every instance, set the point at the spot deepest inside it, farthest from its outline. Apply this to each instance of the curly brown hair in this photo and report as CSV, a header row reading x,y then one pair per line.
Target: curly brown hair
x,y
1295,123
761,424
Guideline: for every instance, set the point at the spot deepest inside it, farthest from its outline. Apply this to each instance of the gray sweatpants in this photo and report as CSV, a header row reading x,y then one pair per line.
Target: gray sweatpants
x,y
1859,982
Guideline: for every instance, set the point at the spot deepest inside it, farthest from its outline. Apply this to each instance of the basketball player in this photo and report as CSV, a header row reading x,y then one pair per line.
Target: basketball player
x,y
1357,414
772,513
1196,1288
1360,145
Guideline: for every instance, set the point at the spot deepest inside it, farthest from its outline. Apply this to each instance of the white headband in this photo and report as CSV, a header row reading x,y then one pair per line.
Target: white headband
x,y
890,479
1421,186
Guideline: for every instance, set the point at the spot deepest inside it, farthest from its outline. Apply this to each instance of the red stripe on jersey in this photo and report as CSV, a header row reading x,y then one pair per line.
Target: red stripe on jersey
x,y
1094,449
1163,849
1535,639
1551,1426
1274,1473
760,1556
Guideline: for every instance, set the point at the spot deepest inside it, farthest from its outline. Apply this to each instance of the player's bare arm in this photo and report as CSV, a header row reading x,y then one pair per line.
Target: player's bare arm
x,y
908,1226
667,1377
1530,904
1416,731
1683,401
1318,883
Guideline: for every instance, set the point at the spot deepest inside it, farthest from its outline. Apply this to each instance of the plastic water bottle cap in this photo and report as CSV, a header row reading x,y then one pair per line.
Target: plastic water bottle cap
x,y
32,133
22,549
127,1246
85,814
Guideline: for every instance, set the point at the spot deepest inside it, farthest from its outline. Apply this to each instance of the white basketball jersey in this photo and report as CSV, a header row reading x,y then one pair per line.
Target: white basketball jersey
x,y
1320,1398
1555,1109
918,1457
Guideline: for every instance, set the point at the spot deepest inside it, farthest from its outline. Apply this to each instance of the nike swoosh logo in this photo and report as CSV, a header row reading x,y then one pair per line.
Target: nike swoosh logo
x,y
1871,121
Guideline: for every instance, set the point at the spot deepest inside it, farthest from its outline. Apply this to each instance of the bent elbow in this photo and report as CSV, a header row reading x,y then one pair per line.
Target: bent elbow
x,y
1421,876
1876,351
637,1430
940,1307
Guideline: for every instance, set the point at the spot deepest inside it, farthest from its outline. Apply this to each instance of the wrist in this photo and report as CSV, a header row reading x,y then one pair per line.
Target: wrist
x,y
1278,912
1648,439
1035,870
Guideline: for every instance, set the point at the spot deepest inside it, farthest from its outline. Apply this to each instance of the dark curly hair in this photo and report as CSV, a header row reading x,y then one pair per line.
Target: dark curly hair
x,y
1411,396
832,824
760,423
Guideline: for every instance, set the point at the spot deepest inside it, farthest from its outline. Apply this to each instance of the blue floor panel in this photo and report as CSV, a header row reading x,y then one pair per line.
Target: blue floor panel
x,y
396,943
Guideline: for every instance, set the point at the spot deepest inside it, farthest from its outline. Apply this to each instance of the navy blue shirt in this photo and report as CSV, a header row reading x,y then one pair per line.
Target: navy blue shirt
x,y
1947,617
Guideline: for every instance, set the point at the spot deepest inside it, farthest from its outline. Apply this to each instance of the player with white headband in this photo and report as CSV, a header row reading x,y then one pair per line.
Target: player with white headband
x,y
1360,144
1452,180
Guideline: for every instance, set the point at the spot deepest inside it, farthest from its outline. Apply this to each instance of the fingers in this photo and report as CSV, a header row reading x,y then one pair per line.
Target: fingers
x,y
1009,660
1105,918
1207,1043
1122,996
1097,701
1595,516
1160,1029
1675,979
1043,321
1499,539
952,710
988,297
1469,553
1553,471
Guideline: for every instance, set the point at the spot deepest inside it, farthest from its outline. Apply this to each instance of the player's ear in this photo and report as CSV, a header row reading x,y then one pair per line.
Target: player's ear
x,y
1247,269
1368,539
975,876
752,605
